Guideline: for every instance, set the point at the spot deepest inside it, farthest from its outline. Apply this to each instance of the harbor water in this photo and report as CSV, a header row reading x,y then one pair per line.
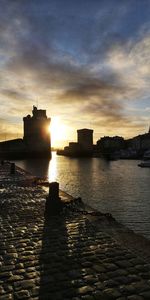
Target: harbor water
x,y
119,187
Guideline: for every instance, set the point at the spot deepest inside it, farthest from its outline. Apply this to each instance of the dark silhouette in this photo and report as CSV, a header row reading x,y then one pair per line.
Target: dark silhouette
x,y
36,142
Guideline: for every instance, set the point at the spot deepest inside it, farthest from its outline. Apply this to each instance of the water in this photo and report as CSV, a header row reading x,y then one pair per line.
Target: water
x,y
118,187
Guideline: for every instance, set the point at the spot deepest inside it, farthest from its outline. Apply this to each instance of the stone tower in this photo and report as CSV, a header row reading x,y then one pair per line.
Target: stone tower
x,y
85,139
36,133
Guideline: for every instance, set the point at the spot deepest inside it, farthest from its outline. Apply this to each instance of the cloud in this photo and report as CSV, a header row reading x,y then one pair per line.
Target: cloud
x,y
9,130
85,62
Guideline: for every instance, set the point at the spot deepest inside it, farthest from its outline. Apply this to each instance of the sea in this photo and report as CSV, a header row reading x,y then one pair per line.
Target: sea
x,y
118,187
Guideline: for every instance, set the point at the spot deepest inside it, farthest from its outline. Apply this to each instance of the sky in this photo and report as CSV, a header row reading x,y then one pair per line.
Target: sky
x,y
87,62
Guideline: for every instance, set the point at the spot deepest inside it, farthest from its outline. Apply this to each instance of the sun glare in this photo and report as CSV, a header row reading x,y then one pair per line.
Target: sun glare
x,y
58,131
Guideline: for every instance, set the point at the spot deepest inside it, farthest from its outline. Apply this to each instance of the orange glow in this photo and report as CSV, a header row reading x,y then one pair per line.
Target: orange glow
x,y
58,131
52,170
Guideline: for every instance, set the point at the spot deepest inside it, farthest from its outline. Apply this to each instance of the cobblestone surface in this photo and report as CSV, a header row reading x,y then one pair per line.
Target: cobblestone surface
x,y
60,257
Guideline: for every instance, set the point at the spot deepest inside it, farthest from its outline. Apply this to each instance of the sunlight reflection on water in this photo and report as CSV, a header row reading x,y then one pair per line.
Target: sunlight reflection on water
x,y
52,168
118,187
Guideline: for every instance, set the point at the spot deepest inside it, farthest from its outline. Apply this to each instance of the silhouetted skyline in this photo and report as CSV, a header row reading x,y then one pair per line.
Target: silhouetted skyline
x,y
86,62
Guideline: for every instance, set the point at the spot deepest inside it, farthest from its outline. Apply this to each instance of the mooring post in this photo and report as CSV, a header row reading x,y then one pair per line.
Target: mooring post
x,y
12,168
53,201
53,191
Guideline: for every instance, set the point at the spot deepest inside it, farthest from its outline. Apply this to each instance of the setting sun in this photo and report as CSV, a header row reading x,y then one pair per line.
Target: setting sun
x,y
58,132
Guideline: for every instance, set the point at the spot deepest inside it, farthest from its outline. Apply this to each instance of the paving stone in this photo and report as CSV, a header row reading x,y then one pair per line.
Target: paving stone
x,y
5,275
110,283
24,294
127,289
6,268
85,289
144,275
15,278
63,258
90,279
124,264
87,297
25,284
1,290
35,291
140,286
7,297
99,268
110,267
19,272
134,297
145,295
111,292
98,295
32,275
141,268
8,288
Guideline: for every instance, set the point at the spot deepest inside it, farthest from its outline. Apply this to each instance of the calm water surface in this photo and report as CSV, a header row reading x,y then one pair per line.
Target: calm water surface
x,y
118,187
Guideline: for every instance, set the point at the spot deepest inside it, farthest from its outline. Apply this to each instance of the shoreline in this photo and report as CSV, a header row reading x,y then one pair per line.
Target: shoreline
x,y
126,236
76,255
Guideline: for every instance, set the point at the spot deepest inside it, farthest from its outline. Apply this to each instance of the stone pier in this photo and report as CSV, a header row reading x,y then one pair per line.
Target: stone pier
x,y
69,256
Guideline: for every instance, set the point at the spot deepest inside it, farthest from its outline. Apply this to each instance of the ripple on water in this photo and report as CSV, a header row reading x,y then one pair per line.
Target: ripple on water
x,y
118,187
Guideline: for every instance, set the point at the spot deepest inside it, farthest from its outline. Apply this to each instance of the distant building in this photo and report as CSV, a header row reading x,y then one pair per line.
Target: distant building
x,y
36,132
36,141
83,146
85,139
118,147
112,144
140,143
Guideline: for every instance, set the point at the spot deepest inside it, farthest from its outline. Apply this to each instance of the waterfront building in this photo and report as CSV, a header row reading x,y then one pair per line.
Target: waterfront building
x,y
140,143
36,140
109,145
83,146
36,132
85,139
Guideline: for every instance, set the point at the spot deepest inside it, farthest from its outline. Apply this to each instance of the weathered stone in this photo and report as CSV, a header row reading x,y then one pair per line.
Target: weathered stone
x,y
111,292
110,283
1,290
8,287
6,268
90,279
98,295
87,297
7,297
146,295
99,268
25,284
140,286
124,264
15,278
19,271
141,268
35,291
85,289
110,266
22,295
133,278
134,297
127,289
5,274
32,275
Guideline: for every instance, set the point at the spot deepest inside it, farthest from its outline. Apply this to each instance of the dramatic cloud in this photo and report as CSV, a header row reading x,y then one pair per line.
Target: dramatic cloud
x,y
87,62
